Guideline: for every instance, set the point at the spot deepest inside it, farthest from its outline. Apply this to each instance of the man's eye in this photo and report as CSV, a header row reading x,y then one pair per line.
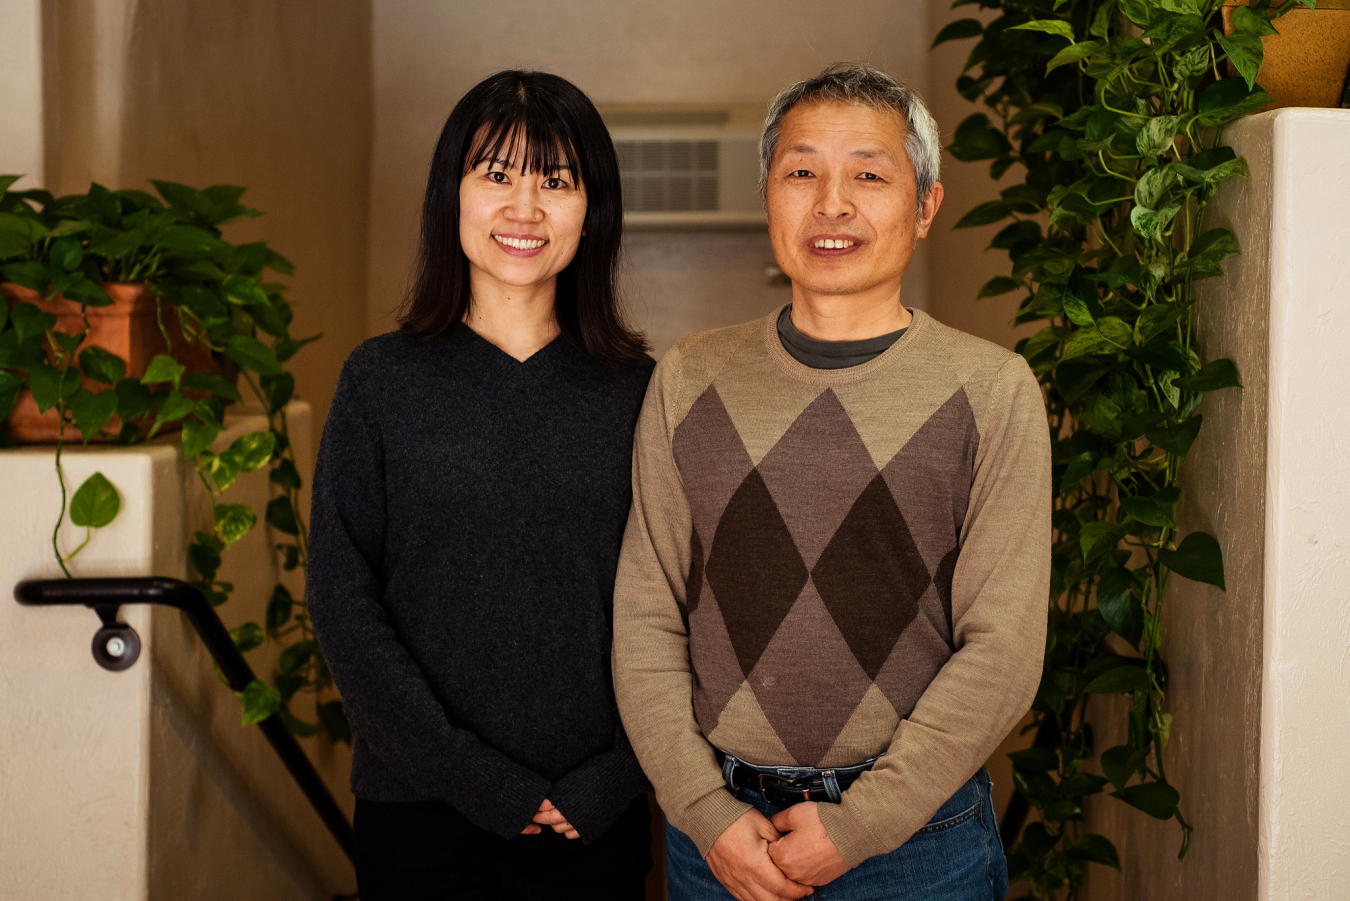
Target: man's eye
x,y
800,173
869,176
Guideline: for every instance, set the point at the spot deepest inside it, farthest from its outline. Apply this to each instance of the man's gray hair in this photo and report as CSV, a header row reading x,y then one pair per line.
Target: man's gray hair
x,y
850,83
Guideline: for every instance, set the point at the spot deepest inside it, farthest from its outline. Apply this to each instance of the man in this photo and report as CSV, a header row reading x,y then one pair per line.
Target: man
x,y
831,598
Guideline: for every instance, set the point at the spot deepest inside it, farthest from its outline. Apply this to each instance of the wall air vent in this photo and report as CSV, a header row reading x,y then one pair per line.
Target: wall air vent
x,y
668,176
688,168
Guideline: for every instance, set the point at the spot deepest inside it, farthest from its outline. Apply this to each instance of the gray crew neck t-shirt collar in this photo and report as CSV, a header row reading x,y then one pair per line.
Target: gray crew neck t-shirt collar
x,y
830,354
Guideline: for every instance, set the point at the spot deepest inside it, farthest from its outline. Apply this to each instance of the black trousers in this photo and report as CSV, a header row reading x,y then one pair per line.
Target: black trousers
x,y
428,851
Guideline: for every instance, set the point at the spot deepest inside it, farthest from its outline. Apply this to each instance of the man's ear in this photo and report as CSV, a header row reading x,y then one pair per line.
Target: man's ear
x,y
928,210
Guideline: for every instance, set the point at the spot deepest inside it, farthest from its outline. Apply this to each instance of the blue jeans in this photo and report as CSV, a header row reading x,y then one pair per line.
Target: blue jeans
x,y
956,857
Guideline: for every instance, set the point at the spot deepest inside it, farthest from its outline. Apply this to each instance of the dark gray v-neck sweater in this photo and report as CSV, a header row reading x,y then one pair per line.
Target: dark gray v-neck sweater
x,y
466,520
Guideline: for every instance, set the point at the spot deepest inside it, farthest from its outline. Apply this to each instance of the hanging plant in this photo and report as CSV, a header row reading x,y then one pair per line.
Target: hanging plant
x,y
73,262
1114,112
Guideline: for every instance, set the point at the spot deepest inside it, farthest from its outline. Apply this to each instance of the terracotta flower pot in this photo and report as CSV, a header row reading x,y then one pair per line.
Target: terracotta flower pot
x,y
1308,62
126,328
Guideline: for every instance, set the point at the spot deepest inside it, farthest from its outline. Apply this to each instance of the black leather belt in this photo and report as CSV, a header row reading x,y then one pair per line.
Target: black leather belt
x,y
783,786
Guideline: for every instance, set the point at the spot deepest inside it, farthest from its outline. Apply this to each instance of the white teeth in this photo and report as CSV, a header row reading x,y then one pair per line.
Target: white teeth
x,y
832,244
520,243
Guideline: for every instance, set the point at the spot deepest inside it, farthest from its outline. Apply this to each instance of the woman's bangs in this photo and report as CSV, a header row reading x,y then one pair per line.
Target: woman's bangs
x,y
545,146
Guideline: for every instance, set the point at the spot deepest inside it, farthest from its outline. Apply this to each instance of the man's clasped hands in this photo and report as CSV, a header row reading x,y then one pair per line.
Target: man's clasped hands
x,y
756,858
763,859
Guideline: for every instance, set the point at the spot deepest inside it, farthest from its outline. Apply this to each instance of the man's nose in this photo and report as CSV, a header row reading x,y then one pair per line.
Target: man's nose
x,y
834,202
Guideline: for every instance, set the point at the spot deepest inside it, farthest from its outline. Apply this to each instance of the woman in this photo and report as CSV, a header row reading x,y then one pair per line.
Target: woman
x,y
469,500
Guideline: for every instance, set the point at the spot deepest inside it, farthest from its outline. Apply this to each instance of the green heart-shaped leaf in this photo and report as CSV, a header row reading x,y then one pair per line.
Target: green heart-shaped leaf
x,y
1198,558
101,366
95,503
1157,799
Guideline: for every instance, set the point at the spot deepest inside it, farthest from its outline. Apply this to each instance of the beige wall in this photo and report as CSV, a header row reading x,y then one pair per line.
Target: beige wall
x,y
960,264
21,91
273,96
428,53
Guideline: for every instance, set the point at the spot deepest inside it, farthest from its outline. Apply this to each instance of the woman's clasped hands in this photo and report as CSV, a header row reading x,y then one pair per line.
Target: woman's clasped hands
x,y
551,816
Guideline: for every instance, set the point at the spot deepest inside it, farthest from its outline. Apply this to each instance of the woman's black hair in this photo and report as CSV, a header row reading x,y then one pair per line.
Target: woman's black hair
x,y
561,129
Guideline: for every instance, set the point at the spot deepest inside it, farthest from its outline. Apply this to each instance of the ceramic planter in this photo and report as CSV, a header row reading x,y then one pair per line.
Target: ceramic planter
x,y
1308,62
127,328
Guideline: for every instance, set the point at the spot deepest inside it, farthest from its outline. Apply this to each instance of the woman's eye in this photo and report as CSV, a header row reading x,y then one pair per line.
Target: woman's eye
x,y
498,177
555,183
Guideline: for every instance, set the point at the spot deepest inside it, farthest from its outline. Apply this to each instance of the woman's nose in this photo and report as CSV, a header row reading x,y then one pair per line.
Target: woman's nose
x,y
524,205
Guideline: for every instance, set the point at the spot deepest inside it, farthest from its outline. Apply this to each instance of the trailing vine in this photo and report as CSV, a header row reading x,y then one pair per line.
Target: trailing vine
x,y
1114,111
213,311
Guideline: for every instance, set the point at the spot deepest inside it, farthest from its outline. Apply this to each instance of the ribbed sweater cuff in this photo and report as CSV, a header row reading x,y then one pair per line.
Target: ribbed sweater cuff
x,y
850,833
706,819
596,793
502,801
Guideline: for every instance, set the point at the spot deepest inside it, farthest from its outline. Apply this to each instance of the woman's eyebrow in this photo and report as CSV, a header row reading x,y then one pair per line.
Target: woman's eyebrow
x,y
508,164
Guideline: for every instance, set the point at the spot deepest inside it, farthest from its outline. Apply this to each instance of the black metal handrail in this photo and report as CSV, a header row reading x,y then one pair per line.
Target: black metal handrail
x,y
116,647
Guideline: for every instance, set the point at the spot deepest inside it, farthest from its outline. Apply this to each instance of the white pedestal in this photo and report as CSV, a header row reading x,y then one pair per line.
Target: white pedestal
x,y
142,784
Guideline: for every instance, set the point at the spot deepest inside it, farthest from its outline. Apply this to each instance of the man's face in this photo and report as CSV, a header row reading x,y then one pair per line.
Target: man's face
x,y
844,215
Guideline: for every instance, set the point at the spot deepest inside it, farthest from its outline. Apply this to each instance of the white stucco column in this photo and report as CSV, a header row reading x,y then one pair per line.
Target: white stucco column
x,y
1303,180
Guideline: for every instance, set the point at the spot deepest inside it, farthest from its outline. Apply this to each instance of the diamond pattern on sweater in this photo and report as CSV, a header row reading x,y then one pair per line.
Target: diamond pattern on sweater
x,y
693,586
815,472
932,473
790,695
874,714
752,738
871,576
887,421
804,550
708,448
760,425
716,673
919,654
754,569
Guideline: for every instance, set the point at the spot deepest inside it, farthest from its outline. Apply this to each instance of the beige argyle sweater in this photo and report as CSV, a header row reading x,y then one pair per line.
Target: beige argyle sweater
x,y
826,565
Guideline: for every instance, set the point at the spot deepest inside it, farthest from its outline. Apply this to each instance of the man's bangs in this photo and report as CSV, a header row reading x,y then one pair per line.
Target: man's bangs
x,y
546,148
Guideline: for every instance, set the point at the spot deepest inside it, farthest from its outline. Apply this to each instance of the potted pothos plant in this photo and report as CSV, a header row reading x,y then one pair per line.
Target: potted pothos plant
x,y
128,316
1112,112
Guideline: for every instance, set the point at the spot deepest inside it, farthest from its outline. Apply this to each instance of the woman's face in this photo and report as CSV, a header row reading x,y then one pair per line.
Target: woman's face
x,y
519,229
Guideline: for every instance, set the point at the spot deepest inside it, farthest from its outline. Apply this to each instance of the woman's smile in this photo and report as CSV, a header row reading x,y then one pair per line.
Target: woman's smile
x,y
520,245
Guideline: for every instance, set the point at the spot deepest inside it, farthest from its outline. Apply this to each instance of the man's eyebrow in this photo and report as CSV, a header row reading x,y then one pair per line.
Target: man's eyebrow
x,y
866,153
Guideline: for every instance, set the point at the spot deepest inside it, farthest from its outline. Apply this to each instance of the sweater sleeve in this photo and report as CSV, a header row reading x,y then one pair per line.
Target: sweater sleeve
x,y
593,795
652,679
388,700
999,595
